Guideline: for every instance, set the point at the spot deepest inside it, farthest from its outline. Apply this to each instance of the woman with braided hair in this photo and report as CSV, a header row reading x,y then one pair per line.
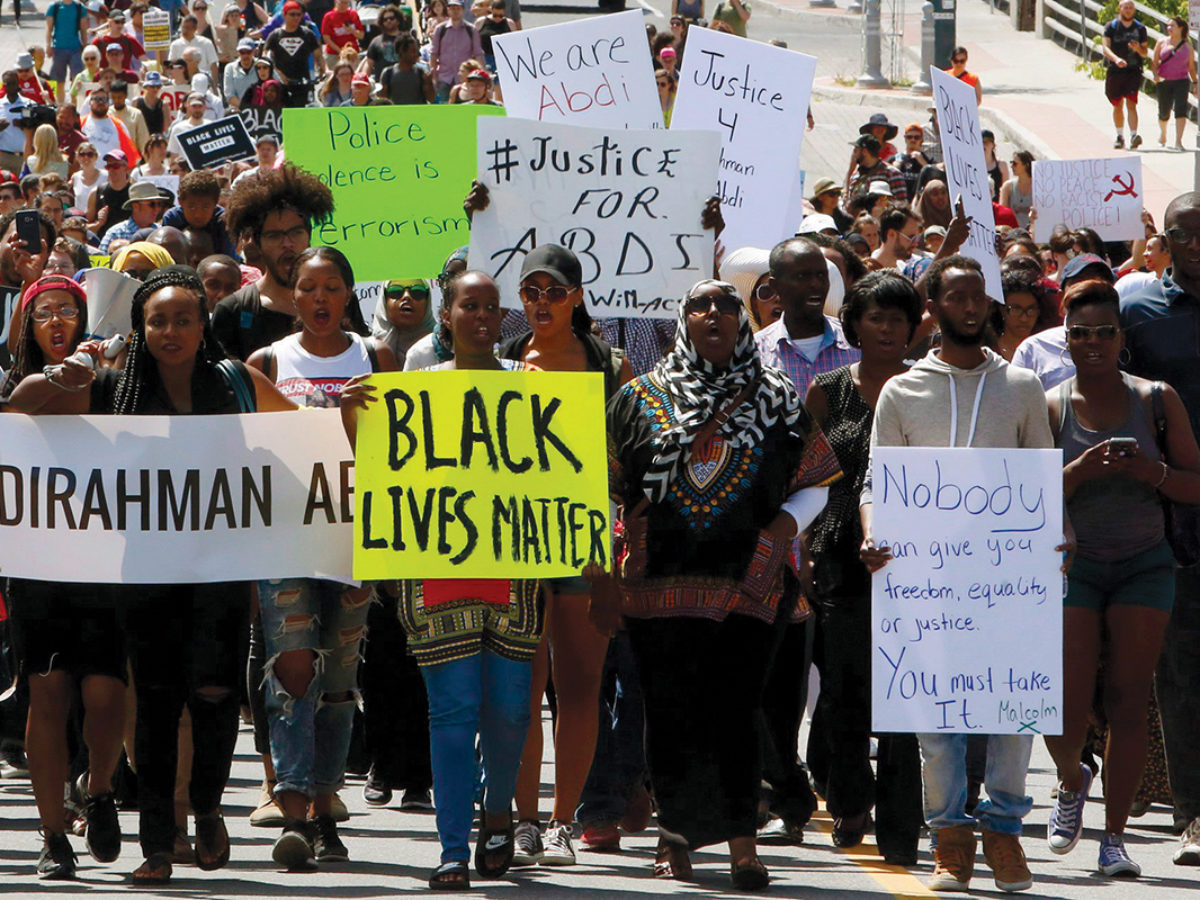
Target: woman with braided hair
x,y
186,642
718,466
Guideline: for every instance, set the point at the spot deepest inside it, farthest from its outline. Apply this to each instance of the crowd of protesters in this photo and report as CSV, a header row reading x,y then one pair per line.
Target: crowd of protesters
x,y
679,680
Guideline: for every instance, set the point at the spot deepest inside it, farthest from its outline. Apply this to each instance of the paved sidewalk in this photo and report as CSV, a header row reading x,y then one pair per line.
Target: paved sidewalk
x,y
1032,94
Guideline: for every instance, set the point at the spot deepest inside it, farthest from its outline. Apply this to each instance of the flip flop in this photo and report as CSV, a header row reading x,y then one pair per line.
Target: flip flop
x,y
490,843
212,841
154,872
438,882
672,861
749,875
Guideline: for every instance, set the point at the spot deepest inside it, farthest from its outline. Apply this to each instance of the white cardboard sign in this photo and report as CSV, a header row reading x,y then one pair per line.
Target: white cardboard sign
x,y
1102,194
756,96
176,499
967,617
595,72
627,202
109,302
962,147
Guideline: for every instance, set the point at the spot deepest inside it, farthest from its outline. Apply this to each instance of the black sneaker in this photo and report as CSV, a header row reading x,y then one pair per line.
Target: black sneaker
x,y
57,859
293,849
376,791
103,833
1135,141
13,762
326,843
416,799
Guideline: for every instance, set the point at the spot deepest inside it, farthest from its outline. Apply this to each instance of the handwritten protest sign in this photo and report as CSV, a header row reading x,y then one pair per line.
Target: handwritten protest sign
x,y
156,29
262,120
109,302
967,618
398,174
163,182
175,499
470,474
627,202
174,98
220,141
595,72
957,115
756,96
1103,194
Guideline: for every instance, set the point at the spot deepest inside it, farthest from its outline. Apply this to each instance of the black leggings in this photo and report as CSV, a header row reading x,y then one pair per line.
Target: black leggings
x,y
1173,93
184,641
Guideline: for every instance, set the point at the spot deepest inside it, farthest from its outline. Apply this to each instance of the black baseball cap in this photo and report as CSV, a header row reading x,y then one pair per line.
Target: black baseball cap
x,y
870,143
556,261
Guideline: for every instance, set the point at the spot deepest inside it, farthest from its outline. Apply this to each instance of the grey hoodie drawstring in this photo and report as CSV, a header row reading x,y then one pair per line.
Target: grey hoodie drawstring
x,y
974,410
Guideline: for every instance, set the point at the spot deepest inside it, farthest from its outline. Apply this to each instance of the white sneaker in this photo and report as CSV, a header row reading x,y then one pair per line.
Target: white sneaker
x,y
1188,853
527,844
557,841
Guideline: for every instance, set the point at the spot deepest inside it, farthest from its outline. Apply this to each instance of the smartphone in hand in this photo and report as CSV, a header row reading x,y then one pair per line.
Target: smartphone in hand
x,y
29,229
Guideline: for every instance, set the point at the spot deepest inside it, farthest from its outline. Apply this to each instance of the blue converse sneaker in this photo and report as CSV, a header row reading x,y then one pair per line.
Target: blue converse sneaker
x,y
1066,816
1114,860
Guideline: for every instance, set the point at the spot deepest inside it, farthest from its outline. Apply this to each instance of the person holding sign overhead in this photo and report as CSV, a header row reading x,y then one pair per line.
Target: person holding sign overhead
x,y
718,466
963,395
561,341
1127,444
473,639
310,706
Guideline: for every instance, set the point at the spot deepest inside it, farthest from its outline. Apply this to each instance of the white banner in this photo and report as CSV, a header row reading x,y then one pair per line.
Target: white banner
x,y
594,72
175,499
958,125
627,202
756,96
967,618
166,182
1102,194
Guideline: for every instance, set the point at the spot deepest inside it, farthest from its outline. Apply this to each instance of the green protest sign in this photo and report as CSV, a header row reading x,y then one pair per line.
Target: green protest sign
x,y
398,175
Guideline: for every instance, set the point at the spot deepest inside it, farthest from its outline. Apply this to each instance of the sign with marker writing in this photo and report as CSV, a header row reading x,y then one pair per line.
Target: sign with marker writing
x,y
967,616
962,147
174,98
595,72
262,120
219,141
627,202
1102,194
473,474
175,499
756,97
398,175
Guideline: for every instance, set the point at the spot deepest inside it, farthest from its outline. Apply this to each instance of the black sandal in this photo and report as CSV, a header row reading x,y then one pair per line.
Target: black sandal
x,y
154,872
672,861
749,875
489,843
211,834
439,882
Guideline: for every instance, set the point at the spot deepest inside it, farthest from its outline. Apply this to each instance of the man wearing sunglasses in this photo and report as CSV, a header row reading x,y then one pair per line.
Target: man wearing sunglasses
x,y
383,51
899,232
1161,323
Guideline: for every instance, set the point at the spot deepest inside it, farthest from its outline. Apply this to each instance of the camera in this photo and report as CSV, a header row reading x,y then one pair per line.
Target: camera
x,y
35,115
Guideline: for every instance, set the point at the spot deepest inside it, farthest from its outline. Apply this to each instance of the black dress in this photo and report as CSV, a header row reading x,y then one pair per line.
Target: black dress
x,y
839,749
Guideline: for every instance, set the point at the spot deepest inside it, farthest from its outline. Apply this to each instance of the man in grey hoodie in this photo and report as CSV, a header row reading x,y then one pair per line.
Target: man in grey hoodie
x,y
964,395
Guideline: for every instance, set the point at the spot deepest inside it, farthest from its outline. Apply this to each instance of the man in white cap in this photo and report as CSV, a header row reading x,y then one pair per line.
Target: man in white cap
x,y
194,109
66,33
239,73
31,86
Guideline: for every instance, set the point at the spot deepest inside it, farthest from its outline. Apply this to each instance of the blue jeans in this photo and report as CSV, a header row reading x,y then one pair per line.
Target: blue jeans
x,y
1178,699
443,92
310,735
485,694
619,764
944,773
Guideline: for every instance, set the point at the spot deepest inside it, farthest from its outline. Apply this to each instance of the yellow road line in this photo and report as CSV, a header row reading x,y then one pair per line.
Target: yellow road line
x,y
896,880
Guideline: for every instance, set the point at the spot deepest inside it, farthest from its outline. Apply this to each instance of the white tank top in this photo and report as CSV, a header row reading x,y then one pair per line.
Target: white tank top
x,y
317,380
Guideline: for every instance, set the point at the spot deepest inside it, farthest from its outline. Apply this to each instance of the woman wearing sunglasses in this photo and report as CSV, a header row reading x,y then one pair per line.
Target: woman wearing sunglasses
x,y
748,269
560,340
718,466
1128,445
403,316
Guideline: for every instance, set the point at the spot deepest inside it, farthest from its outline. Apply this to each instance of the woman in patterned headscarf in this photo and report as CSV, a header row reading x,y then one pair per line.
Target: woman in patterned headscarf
x,y
718,466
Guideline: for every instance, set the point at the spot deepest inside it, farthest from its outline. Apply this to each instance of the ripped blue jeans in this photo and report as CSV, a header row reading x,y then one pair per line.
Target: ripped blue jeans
x,y
310,735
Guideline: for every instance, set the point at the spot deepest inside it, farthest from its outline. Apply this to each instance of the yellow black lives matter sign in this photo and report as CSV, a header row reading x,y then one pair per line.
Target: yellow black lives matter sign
x,y
470,474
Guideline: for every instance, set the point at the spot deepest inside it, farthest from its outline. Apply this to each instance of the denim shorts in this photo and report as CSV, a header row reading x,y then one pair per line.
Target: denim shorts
x,y
1146,579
